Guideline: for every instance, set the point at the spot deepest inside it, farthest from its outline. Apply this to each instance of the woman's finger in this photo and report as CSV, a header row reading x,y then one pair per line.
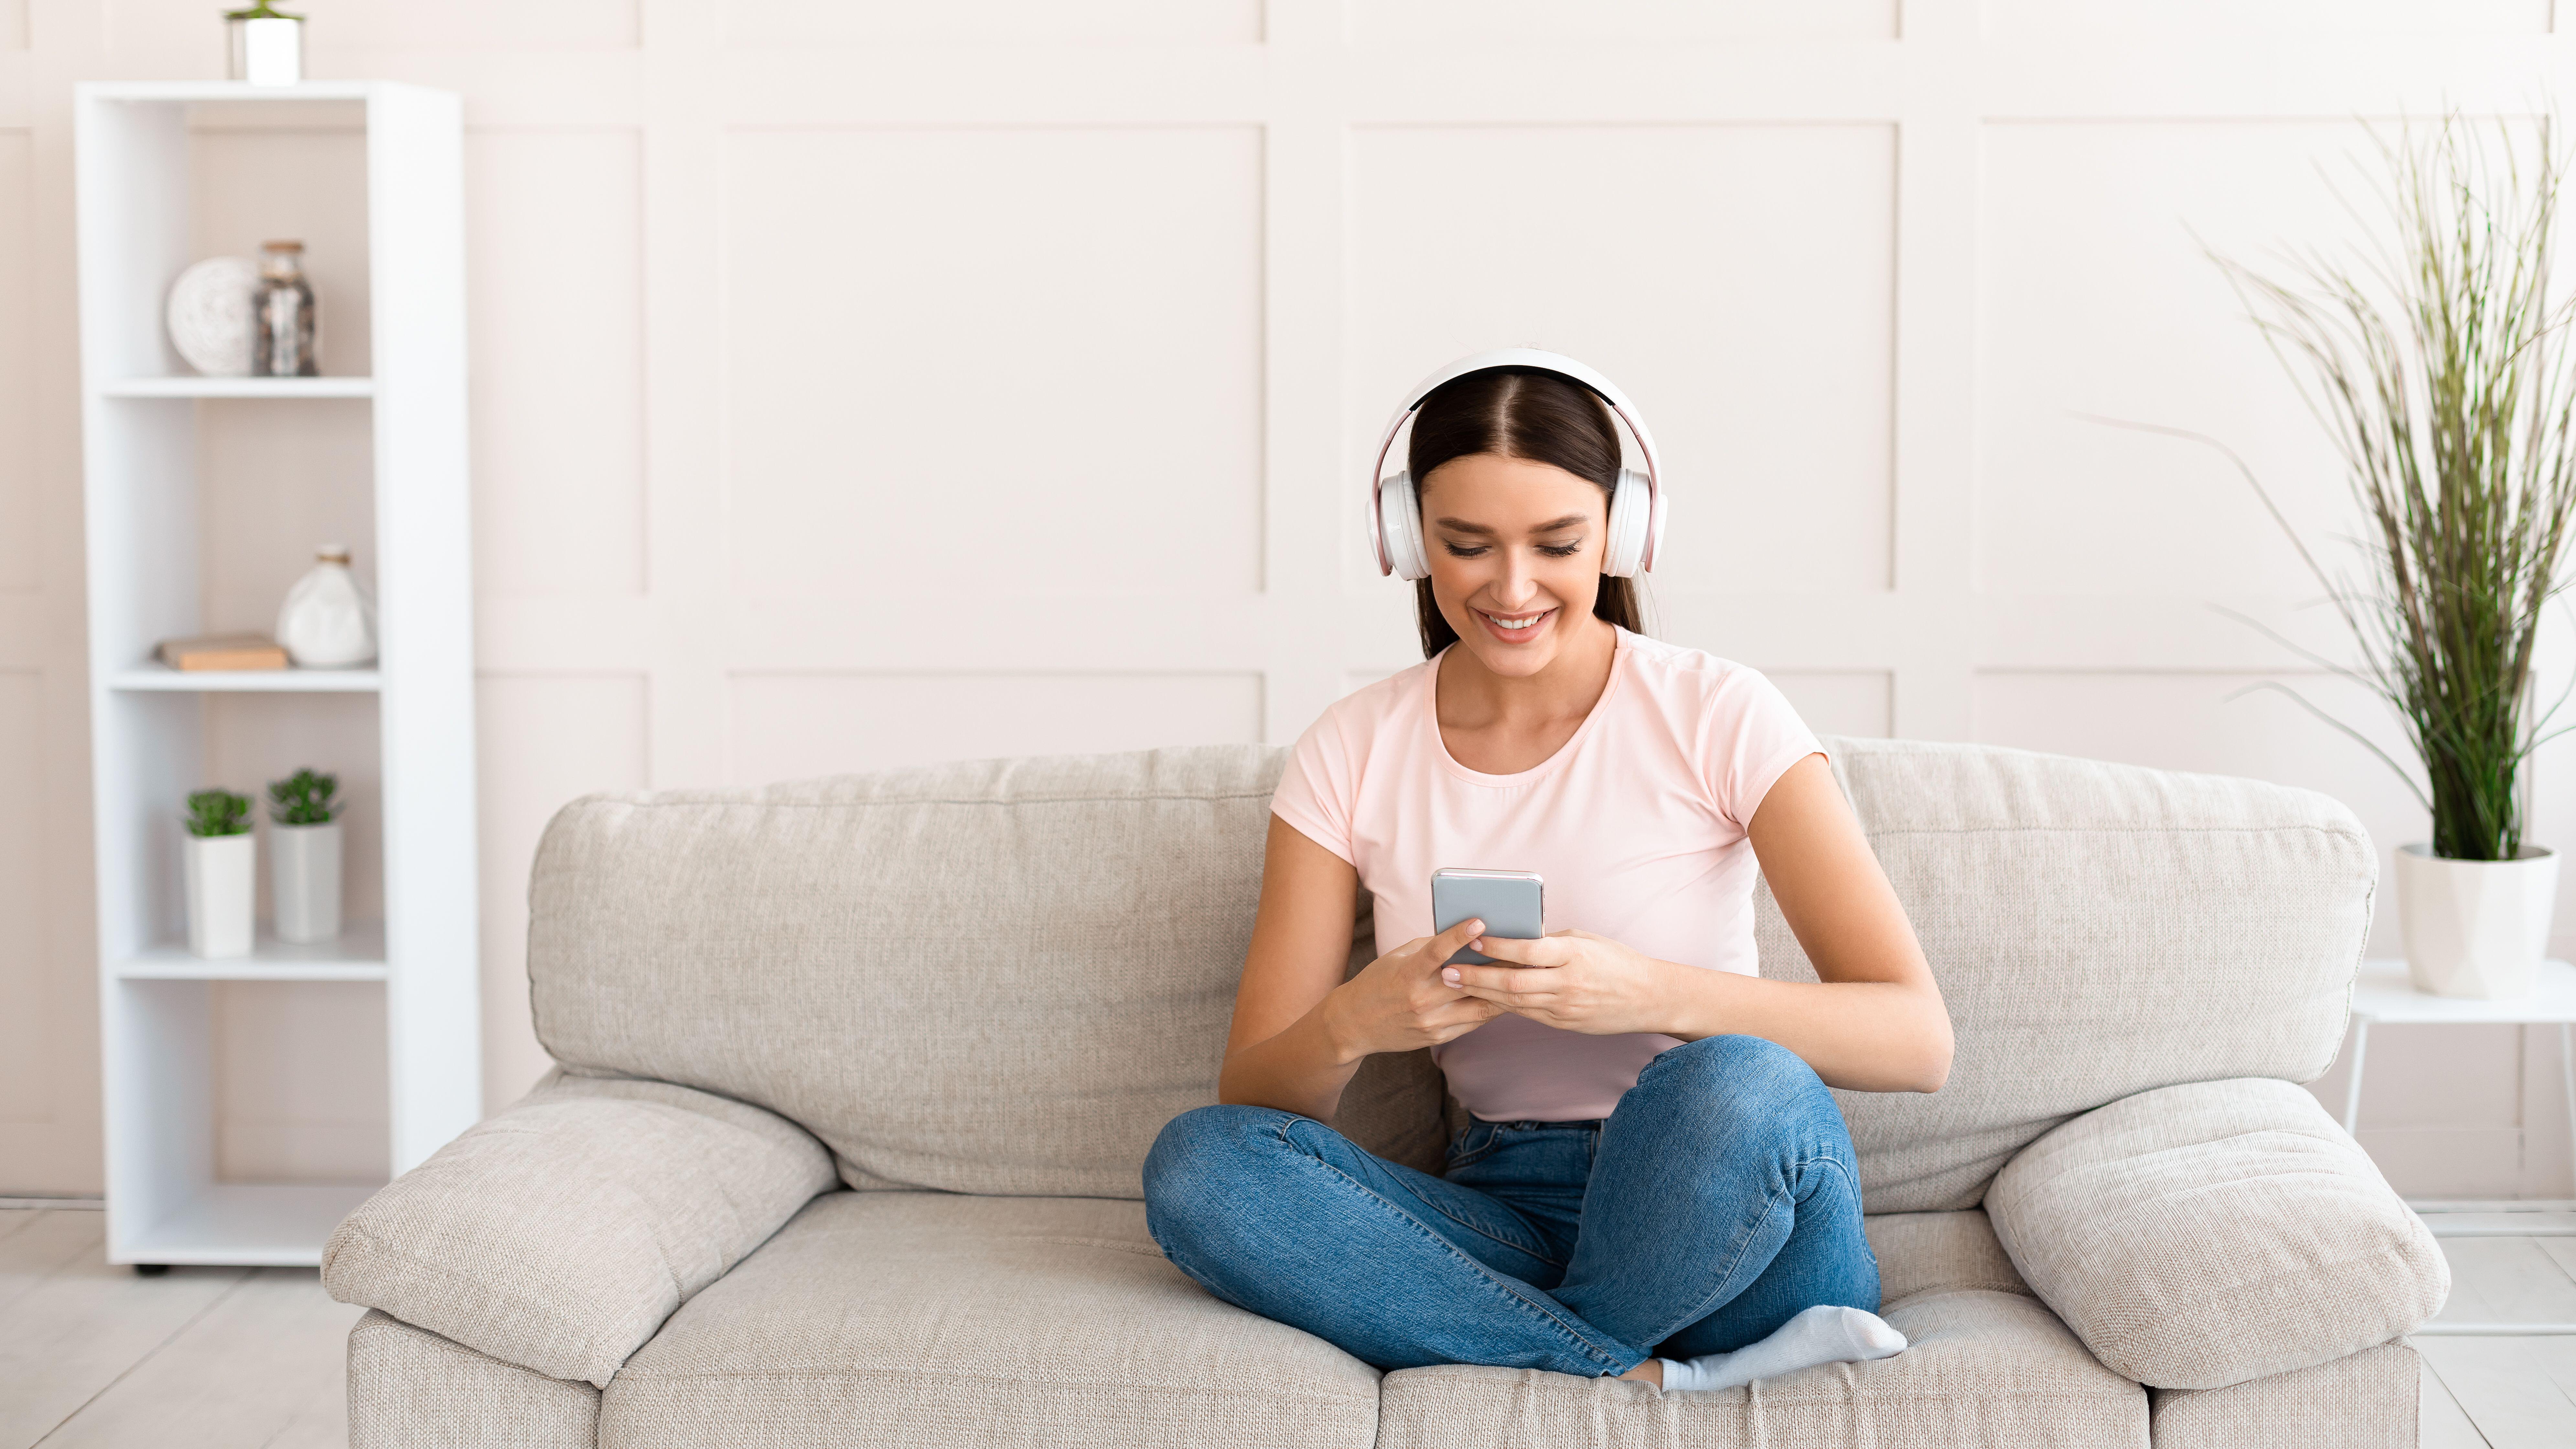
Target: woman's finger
x,y
1497,978
1544,951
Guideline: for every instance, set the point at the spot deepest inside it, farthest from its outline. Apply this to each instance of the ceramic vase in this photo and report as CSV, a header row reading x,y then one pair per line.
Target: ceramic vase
x,y
328,622
220,871
304,881
2475,927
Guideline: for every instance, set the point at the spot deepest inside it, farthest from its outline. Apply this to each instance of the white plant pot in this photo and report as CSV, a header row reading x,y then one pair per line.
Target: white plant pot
x,y
304,881
222,872
267,52
2475,927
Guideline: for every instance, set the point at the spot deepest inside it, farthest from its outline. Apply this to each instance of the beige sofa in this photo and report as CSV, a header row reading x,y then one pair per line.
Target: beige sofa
x,y
858,1075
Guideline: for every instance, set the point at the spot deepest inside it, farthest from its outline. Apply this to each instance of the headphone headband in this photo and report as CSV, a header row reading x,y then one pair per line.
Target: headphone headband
x,y
1536,361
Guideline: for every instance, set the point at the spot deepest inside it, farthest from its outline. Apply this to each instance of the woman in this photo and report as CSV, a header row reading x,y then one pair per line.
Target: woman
x,y
1655,1184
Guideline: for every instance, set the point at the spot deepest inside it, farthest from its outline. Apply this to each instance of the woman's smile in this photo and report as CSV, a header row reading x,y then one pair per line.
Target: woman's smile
x,y
1518,628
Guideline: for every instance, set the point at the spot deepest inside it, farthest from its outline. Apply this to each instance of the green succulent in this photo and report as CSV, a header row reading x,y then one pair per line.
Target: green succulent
x,y
303,798
218,812
260,11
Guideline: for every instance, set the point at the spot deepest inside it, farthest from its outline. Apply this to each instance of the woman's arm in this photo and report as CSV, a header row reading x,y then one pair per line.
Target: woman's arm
x,y
1300,1030
1873,1022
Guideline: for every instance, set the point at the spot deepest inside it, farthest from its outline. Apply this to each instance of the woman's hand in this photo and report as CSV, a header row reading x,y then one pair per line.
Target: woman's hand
x,y
1574,980
1398,1002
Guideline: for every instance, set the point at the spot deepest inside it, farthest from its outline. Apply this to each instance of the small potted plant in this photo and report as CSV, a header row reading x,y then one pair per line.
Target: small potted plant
x,y
304,856
221,868
266,45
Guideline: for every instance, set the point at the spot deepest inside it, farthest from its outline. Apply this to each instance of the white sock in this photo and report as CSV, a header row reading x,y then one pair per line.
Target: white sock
x,y
1822,1334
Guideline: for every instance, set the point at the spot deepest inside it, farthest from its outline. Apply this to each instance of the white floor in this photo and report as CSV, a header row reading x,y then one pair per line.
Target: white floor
x,y
250,1358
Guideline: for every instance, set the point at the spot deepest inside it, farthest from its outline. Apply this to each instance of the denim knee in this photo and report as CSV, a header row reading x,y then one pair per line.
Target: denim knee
x,y
1750,1077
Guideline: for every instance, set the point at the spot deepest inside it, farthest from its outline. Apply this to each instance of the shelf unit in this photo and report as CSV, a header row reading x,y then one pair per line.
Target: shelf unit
x,y
149,520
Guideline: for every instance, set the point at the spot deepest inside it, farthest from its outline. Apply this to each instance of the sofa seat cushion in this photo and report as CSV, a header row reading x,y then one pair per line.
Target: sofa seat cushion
x,y
1983,1368
1989,1364
915,1318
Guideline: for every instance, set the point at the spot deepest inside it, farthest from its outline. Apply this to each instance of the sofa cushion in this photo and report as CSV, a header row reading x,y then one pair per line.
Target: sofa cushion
x,y
2366,1400
1001,977
931,1319
2204,1235
1982,1368
2098,930
1938,1253
560,1233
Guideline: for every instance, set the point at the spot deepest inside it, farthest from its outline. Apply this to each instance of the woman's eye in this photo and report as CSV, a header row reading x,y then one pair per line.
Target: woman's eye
x,y
1561,550
1460,550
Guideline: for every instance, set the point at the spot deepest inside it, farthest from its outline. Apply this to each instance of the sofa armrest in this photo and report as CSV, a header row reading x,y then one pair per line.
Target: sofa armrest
x,y
559,1234
2204,1235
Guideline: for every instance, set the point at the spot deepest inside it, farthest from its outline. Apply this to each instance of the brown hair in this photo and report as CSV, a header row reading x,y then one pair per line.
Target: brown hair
x,y
1514,412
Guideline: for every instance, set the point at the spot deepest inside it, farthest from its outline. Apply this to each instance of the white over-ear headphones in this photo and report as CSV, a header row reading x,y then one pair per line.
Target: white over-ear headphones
x,y
1636,504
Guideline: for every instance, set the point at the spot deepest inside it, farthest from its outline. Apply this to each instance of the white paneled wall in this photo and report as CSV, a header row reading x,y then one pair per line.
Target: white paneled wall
x,y
865,383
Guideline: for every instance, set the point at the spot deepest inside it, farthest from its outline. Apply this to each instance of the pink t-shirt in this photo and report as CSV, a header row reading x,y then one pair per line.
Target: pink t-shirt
x,y
1636,824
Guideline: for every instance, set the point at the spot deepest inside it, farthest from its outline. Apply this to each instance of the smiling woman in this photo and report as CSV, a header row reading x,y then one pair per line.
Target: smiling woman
x,y
1654,1164
1532,425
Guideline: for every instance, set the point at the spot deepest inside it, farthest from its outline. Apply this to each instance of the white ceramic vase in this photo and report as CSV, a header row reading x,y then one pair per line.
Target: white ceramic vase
x,y
221,873
328,622
2475,927
304,881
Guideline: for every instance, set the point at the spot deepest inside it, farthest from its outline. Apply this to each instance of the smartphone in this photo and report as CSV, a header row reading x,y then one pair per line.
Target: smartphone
x,y
1510,902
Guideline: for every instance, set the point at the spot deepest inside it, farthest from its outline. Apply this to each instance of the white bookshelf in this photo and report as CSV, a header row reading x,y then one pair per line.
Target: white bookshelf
x,y
152,728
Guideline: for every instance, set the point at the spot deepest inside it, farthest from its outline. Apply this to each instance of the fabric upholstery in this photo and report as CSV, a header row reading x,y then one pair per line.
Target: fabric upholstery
x,y
2366,1400
2205,1235
1939,1253
1985,1368
926,1319
999,977
411,1389
2097,930
559,1234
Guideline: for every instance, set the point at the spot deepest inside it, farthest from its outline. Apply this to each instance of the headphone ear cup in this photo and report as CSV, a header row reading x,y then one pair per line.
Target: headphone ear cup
x,y
1631,503
1399,522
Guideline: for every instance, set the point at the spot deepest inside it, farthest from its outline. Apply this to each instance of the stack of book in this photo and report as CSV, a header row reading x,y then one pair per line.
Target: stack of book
x,y
223,651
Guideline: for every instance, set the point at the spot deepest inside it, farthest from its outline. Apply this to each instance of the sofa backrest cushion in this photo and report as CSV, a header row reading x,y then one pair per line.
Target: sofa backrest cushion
x,y
2097,930
1006,976
997,977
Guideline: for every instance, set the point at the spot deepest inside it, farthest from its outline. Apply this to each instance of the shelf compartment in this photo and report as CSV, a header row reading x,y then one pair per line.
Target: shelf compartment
x,y
162,677
246,1223
242,387
358,955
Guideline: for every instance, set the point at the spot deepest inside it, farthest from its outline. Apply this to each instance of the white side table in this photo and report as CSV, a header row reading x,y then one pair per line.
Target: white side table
x,y
2383,996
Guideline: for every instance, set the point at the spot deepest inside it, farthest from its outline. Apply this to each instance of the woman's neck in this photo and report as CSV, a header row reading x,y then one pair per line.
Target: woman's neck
x,y
1503,724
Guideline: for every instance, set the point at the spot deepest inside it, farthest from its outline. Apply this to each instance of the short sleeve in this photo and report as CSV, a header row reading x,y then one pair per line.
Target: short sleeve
x,y
1751,737
1318,787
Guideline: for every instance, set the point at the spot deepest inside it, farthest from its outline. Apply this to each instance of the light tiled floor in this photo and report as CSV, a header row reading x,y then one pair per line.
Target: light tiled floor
x,y
250,1358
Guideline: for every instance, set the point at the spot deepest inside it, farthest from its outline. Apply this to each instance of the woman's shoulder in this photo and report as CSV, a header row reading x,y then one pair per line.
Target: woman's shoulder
x,y
1676,673
1363,712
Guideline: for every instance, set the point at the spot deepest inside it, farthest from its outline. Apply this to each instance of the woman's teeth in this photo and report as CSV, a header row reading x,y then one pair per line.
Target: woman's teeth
x,y
1523,623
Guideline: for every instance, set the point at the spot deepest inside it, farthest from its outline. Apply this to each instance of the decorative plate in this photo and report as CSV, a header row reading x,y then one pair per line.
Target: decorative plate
x,y
211,315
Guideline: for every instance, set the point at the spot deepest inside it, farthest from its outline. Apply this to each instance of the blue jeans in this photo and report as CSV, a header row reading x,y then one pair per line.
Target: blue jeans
x,y
1714,1203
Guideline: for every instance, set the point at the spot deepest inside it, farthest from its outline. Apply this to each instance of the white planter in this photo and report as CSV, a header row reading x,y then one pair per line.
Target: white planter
x,y
2475,927
222,875
267,52
304,881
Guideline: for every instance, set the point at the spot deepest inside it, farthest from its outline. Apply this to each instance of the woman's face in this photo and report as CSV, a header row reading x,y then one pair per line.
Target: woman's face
x,y
1515,551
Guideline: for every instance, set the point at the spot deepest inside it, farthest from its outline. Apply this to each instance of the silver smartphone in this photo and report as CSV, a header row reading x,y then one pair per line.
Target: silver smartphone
x,y
1510,902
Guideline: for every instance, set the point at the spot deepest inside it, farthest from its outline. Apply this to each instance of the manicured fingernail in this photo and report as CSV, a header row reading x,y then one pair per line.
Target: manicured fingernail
x,y
1450,975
